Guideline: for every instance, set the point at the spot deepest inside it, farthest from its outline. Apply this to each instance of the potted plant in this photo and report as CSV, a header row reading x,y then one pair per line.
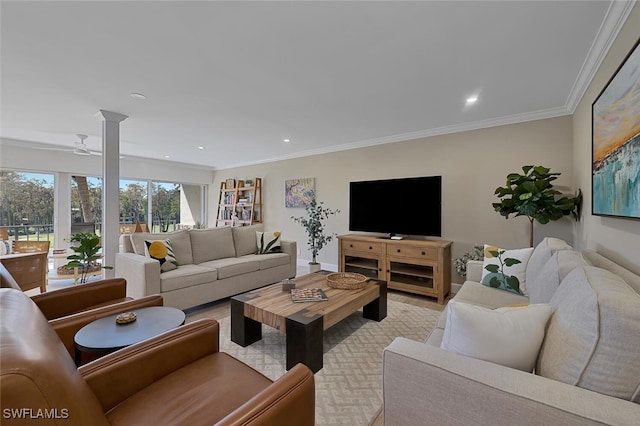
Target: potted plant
x,y
85,247
531,194
312,223
460,263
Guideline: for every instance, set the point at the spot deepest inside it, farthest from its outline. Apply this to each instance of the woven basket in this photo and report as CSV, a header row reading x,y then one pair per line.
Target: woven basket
x,y
346,280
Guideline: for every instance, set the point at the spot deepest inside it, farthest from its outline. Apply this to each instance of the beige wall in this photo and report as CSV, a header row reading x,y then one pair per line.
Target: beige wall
x,y
471,163
618,239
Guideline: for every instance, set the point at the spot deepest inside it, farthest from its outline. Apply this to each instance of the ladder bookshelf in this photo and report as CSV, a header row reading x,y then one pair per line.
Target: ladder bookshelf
x,y
239,204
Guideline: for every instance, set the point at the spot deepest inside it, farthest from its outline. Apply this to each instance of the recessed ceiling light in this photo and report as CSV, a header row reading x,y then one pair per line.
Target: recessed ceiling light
x,y
286,140
166,156
138,96
471,100
201,147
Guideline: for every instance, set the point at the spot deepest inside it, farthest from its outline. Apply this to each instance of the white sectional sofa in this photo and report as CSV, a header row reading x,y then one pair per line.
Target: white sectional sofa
x,y
587,370
213,264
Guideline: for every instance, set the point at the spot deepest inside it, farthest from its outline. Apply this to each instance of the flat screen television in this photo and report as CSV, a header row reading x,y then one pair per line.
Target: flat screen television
x,y
405,206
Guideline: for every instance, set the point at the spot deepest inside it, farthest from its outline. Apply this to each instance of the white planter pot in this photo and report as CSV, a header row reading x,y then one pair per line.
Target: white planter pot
x,y
314,267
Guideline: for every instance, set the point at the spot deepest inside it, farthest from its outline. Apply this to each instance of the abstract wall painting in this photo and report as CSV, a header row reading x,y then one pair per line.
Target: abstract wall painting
x,y
298,192
616,143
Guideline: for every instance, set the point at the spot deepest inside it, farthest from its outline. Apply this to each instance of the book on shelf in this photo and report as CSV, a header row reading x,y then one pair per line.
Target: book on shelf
x,y
308,295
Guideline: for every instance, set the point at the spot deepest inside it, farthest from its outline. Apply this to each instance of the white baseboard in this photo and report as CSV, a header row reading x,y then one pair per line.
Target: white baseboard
x,y
302,263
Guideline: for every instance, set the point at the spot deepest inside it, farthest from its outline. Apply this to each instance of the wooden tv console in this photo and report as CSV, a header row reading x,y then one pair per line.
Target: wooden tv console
x,y
415,266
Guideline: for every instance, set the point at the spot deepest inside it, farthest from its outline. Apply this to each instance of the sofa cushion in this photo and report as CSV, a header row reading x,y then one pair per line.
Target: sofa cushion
x,y
598,260
505,269
162,251
481,295
540,256
546,282
592,339
272,260
505,336
232,266
211,244
186,276
179,239
244,239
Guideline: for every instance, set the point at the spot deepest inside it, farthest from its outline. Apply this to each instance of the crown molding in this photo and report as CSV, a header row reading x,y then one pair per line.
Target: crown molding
x,y
612,24
404,137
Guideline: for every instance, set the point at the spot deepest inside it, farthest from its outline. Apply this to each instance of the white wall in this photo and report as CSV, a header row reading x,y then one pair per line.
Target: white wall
x,y
472,165
618,239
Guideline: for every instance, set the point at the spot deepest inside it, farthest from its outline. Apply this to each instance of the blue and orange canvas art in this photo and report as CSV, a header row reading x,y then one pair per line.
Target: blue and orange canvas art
x,y
616,143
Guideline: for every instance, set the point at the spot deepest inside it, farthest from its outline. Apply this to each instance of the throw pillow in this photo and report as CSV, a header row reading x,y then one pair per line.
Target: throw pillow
x,y
162,251
592,338
268,242
541,255
507,336
6,247
505,269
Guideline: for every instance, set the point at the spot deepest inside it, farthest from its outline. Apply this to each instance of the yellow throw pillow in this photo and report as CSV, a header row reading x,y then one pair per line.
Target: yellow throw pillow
x,y
162,251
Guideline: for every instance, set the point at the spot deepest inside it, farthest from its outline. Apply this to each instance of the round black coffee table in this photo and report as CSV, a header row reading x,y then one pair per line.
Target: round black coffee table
x,y
105,335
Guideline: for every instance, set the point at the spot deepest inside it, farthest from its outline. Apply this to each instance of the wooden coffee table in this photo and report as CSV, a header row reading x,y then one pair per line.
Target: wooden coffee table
x,y
303,323
104,335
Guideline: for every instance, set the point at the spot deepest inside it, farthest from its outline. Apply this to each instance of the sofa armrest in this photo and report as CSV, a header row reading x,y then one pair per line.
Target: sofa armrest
x,y
142,274
67,327
425,382
115,377
289,400
291,248
474,270
70,300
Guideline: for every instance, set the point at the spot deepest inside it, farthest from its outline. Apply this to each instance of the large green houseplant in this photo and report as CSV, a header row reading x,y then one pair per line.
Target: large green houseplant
x,y
86,248
532,195
314,226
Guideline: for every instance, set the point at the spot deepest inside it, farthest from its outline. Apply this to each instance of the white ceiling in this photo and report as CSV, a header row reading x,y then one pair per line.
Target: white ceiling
x,y
239,77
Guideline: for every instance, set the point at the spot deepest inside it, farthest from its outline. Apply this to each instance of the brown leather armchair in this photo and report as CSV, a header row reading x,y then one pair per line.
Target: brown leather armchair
x,y
69,309
178,377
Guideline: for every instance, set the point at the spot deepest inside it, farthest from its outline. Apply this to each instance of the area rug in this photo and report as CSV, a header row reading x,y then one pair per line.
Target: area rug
x,y
349,386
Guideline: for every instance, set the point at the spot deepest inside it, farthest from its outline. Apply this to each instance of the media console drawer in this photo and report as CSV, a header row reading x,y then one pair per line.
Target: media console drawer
x,y
367,246
407,250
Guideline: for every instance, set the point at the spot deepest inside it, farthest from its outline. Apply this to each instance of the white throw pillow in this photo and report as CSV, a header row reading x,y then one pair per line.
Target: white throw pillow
x,y
540,256
505,269
268,242
6,247
507,336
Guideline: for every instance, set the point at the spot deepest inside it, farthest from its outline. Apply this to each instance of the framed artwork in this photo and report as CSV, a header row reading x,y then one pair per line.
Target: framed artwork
x,y
615,165
298,192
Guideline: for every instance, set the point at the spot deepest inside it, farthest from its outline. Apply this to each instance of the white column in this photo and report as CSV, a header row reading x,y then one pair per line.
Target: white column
x,y
150,205
110,231
61,212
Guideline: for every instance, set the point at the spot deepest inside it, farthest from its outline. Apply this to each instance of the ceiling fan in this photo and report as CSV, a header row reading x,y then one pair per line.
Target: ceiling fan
x,y
80,149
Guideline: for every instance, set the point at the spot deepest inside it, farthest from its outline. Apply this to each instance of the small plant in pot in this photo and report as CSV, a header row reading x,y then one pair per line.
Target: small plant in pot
x,y
85,247
314,226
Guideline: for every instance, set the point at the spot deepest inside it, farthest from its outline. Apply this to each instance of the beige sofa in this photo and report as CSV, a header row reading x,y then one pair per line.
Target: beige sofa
x,y
213,264
587,370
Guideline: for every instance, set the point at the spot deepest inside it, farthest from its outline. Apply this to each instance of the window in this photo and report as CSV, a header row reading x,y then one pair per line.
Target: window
x,y
26,205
